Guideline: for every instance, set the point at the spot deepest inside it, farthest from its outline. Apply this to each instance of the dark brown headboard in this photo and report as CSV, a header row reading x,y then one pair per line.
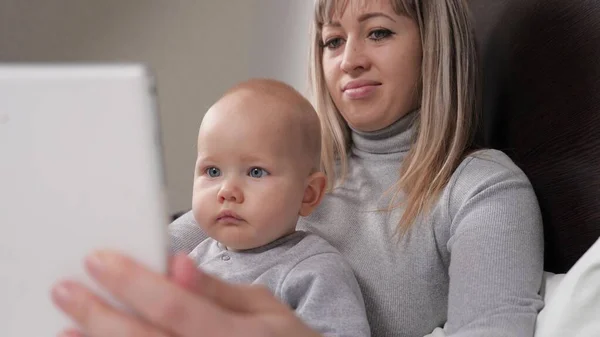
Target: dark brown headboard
x,y
541,103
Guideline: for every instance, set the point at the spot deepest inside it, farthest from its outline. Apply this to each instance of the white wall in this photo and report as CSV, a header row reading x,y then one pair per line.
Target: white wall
x,y
197,49
280,41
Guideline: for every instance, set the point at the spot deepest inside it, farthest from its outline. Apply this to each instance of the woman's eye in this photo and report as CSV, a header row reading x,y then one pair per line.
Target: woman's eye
x,y
333,43
257,172
213,172
380,34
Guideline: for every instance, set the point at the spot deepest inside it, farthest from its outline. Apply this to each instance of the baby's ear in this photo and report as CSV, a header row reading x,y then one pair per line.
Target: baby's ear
x,y
314,192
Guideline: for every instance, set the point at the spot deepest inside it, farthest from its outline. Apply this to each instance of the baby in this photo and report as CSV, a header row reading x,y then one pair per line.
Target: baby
x,y
257,171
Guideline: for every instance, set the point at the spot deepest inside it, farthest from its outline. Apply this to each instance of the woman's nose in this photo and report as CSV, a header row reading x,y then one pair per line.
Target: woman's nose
x,y
354,58
230,192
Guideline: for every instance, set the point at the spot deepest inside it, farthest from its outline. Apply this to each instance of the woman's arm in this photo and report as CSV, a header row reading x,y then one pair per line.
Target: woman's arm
x,y
187,304
185,234
496,251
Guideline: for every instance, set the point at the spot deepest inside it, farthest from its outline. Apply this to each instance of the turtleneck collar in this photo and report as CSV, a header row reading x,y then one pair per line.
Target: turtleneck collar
x,y
392,139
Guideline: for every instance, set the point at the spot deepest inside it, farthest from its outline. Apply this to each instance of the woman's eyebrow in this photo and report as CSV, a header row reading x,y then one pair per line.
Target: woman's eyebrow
x,y
367,16
361,18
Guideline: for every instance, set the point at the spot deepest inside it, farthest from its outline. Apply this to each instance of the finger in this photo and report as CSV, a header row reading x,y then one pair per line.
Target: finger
x,y
183,271
157,299
95,317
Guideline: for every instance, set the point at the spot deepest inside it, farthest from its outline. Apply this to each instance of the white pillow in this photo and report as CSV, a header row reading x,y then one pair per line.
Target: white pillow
x,y
573,300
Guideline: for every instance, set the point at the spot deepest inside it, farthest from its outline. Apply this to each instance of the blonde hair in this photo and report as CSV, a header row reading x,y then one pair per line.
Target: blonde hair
x,y
444,129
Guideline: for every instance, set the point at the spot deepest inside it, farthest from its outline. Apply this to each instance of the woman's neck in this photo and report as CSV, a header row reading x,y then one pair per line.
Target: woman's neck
x,y
395,138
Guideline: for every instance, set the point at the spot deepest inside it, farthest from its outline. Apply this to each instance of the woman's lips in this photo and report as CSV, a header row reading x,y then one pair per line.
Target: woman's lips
x,y
360,92
360,89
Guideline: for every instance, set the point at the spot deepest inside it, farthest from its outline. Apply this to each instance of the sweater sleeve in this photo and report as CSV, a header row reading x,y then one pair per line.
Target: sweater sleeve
x,y
324,293
496,251
185,234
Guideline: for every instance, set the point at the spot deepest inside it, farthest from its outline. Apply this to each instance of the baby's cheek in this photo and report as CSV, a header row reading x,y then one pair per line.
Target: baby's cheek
x,y
196,208
201,203
284,207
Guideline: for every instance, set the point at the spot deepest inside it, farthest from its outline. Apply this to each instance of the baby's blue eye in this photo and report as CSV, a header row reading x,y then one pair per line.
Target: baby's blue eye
x,y
257,172
213,172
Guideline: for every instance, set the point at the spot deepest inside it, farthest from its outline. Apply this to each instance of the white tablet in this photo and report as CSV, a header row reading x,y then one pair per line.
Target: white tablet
x,y
80,169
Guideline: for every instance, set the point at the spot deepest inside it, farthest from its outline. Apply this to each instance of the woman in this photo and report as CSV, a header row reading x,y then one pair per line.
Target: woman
x,y
438,234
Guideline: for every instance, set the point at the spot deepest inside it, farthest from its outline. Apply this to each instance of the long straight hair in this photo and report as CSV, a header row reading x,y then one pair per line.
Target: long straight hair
x,y
445,127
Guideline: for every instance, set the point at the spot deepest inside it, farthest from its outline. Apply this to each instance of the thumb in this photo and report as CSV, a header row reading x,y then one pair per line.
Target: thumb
x,y
182,271
234,297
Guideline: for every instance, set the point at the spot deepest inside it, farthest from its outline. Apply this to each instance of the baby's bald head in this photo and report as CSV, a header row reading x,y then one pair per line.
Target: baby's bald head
x,y
258,156
287,115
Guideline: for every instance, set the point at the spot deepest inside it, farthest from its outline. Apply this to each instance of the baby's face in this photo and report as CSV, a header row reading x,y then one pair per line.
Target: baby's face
x,y
248,185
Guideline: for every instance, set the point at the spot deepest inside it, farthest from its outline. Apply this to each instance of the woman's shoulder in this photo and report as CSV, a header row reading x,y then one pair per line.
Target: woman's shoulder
x,y
486,165
488,160
489,187
486,171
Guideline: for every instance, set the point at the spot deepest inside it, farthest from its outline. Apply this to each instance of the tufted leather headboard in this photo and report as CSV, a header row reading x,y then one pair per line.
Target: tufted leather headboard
x,y
541,105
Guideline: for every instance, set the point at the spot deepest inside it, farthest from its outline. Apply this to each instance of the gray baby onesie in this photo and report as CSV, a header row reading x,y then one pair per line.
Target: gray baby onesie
x,y
302,270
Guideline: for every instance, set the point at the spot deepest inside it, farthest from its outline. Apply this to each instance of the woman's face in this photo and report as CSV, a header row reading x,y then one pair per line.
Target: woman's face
x,y
372,64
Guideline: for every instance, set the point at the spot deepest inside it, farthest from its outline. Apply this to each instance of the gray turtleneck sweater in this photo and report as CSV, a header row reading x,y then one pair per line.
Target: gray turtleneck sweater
x,y
473,266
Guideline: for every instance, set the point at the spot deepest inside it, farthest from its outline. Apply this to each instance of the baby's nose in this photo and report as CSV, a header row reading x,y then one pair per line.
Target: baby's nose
x,y
230,193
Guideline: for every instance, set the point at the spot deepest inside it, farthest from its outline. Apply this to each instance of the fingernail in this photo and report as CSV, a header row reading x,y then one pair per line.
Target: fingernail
x,y
96,263
62,294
